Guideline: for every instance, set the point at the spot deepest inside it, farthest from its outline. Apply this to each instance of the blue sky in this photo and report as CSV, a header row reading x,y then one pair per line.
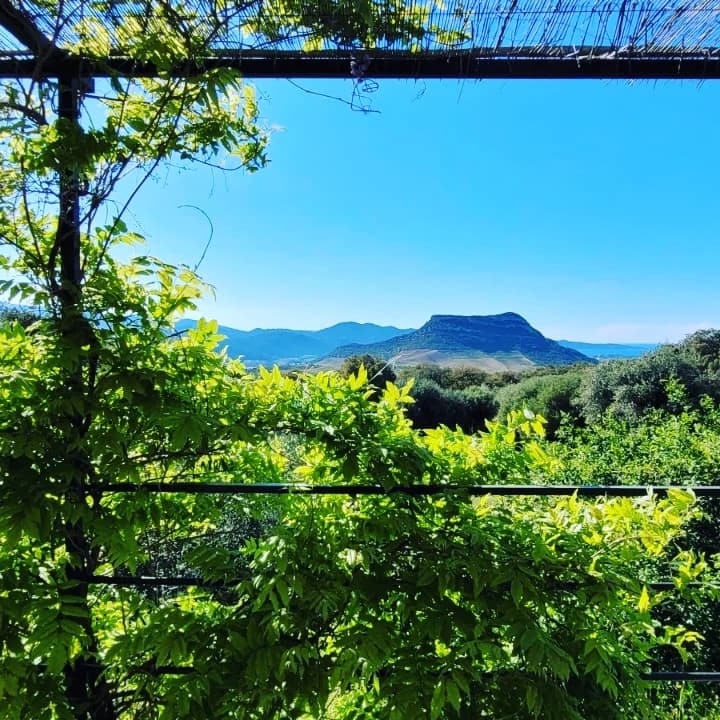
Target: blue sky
x,y
589,207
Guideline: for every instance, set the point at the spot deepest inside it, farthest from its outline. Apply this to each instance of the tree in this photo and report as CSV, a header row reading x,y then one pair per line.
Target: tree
x,y
705,344
379,372
434,405
629,388
385,605
553,396
100,394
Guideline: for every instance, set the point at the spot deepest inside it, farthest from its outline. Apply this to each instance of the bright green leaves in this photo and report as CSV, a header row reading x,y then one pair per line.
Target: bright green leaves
x,y
663,449
130,127
454,603
363,24
369,606
382,606
396,396
511,452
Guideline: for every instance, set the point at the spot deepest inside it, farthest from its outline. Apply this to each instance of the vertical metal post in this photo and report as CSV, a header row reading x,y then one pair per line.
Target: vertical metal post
x,y
68,232
69,294
86,687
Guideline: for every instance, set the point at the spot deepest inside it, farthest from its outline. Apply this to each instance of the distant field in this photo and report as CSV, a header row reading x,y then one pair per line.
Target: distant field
x,y
497,362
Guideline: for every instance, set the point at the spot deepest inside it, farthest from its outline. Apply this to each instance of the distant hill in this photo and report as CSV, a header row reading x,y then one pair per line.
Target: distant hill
x,y
291,347
505,341
608,351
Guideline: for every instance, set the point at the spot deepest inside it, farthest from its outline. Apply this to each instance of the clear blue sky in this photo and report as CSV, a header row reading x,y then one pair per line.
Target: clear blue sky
x,y
589,207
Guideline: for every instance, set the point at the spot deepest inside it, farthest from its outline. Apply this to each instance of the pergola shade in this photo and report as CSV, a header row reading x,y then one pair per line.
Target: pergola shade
x,y
369,38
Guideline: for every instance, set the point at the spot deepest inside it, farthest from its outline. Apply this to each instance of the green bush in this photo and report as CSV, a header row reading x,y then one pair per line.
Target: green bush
x,y
468,409
627,389
552,396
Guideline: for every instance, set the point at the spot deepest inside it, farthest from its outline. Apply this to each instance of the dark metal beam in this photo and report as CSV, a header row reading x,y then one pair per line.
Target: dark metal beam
x,y
68,232
467,65
682,676
413,490
187,581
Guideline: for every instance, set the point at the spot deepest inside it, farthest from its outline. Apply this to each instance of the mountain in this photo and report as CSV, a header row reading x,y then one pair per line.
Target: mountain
x,y
446,339
608,351
347,333
506,340
288,347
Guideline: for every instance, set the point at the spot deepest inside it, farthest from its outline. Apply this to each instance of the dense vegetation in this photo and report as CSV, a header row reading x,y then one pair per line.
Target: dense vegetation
x,y
672,378
653,420
387,605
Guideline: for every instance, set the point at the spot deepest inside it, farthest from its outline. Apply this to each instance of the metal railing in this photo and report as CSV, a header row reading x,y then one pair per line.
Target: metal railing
x,y
587,491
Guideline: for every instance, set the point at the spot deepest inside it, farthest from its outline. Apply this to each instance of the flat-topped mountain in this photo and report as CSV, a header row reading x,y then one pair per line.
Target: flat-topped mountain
x,y
506,338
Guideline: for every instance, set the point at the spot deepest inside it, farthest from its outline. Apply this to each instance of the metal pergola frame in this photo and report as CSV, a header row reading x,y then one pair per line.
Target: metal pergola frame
x,y
412,491
42,57
435,65
623,54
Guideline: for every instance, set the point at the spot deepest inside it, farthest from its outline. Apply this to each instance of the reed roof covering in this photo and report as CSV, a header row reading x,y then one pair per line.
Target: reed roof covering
x,y
372,38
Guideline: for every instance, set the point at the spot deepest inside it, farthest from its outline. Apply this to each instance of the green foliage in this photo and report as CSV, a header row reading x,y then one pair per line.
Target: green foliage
x,y
424,607
351,24
553,396
467,397
387,606
379,373
629,388
664,448
460,378
705,345
494,607
468,409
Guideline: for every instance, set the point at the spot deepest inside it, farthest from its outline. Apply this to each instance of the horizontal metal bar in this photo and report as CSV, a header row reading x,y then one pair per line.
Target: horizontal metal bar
x,y
682,676
657,676
147,581
470,64
151,581
413,490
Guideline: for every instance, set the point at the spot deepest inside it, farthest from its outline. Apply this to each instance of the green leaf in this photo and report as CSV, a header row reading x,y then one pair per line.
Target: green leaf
x,y
438,700
453,695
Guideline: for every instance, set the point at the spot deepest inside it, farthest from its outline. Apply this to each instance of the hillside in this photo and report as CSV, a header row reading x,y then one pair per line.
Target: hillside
x,y
287,347
506,338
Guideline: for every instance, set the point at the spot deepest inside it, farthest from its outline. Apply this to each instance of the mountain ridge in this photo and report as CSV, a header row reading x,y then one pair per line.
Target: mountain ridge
x,y
506,334
286,346
289,347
